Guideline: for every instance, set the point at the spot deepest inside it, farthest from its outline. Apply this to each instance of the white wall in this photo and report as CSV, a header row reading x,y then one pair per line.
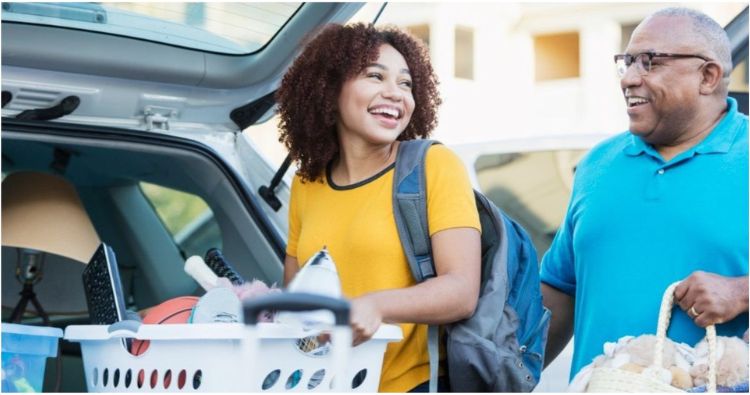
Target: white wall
x,y
504,101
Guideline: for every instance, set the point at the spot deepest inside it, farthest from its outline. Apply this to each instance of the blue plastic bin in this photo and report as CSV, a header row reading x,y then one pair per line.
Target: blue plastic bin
x,y
25,352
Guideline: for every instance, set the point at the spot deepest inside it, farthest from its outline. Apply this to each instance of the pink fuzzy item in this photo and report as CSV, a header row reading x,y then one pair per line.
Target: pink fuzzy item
x,y
250,290
254,289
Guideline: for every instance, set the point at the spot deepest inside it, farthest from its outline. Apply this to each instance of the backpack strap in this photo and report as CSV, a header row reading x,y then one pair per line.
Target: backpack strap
x,y
410,213
410,207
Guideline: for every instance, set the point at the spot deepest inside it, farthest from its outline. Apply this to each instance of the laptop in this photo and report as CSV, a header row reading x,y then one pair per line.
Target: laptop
x,y
101,282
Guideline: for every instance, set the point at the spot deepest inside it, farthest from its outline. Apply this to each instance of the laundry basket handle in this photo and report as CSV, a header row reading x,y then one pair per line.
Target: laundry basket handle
x,y
297,301
665,315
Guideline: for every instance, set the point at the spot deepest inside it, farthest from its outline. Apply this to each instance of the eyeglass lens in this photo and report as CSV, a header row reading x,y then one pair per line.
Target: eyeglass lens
x,y
642,62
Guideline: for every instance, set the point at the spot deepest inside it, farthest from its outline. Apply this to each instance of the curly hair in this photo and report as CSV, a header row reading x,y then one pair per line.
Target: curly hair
x,y
308,96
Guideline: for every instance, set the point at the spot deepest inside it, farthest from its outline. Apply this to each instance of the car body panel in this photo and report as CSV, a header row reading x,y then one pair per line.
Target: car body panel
x,y
123,79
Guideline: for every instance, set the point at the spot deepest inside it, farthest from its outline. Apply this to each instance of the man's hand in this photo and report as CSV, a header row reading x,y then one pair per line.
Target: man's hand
x,y
365,319
712,299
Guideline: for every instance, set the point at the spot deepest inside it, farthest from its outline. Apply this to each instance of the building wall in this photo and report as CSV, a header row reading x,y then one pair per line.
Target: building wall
x,y
504,99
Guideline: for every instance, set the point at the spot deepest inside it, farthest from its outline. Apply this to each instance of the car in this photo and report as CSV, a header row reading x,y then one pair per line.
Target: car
x,y
140,108
130,107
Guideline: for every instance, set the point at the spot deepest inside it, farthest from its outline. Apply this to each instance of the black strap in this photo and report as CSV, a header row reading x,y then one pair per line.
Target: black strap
x,y
7,97
267,192
65,107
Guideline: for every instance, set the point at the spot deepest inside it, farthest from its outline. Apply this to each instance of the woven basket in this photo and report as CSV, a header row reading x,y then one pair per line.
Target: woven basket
x,y
617,380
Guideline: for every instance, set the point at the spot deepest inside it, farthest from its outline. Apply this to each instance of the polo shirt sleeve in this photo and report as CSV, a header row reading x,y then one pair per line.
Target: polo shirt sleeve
x,y
558,264
450,196
294,219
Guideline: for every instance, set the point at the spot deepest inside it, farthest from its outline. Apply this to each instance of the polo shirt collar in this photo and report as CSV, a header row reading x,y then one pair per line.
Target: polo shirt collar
x,y
636,146
718,141
721,138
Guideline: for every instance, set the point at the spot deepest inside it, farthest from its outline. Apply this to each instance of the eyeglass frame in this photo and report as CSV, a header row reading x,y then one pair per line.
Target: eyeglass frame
x,y
651,56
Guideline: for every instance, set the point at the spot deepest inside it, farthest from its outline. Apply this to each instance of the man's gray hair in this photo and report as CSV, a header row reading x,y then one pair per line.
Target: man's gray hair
x,y
714,37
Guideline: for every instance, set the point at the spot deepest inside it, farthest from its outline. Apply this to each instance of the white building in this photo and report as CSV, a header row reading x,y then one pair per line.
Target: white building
x,y
530,69
512,70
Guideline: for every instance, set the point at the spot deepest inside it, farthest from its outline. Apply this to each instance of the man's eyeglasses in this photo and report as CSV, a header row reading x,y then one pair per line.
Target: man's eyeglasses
x,y
643,61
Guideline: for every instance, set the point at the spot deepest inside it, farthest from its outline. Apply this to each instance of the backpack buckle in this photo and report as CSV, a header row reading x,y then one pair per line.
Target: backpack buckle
x,y
426,268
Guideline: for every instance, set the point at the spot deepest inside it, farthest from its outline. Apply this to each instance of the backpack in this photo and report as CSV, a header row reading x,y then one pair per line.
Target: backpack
x,y
500,348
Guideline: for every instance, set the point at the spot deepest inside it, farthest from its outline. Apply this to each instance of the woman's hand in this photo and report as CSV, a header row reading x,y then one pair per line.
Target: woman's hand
x,y
365,318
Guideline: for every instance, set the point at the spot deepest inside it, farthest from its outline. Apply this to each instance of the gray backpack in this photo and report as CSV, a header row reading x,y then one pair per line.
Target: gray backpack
x,y
501,347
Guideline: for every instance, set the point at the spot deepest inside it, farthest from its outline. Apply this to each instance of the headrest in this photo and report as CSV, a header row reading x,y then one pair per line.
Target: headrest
x,y
43,212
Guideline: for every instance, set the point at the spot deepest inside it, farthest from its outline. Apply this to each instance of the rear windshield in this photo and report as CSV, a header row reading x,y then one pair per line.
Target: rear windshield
x,y
231,28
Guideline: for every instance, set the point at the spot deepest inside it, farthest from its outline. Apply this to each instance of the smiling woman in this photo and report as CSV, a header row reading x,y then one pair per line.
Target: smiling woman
x,y
376,105
308,121
345,105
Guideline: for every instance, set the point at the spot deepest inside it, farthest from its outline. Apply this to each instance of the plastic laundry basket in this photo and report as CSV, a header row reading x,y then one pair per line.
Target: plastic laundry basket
x,y
261,357
25,352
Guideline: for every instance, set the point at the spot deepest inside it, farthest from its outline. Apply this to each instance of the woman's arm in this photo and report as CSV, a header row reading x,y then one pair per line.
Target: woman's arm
x,y
449,297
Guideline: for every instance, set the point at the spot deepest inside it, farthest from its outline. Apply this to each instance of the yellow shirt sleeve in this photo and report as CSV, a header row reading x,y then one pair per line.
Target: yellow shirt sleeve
x,y
450,196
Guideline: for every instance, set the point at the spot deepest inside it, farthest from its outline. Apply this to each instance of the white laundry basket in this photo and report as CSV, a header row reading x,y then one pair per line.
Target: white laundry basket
x,y
262,357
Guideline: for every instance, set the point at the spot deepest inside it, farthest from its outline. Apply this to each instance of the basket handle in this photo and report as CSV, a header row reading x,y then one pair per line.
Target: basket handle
x,y
665,315
297,301
130,326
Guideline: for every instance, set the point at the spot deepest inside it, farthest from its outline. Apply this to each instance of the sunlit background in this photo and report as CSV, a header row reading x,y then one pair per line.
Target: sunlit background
x,y
519,70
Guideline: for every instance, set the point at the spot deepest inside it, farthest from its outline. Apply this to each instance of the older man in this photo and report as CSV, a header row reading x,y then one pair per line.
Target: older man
x,y
663,202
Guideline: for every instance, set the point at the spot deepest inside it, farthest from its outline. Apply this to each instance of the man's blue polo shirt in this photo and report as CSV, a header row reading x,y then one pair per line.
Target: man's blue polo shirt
x,y
635,224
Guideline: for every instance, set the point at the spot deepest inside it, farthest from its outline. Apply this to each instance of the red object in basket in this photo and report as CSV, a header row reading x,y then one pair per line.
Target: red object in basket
x,y
173,311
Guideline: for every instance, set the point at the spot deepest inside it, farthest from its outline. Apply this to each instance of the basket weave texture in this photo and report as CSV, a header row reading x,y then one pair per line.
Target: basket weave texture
x,y
618,380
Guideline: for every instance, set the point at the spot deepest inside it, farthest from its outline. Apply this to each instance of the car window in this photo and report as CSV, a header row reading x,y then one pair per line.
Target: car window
x,y
187,218
531,187
265,137
232,28
738,80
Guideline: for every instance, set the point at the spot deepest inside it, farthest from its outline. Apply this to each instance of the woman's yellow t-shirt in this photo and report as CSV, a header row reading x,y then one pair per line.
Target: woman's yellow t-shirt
x,y
356,224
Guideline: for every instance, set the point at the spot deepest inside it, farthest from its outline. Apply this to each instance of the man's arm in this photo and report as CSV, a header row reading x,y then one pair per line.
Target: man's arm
x,y
712,299
562,307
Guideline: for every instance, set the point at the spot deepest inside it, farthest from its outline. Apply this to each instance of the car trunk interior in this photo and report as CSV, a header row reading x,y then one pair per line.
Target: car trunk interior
x,y
106,170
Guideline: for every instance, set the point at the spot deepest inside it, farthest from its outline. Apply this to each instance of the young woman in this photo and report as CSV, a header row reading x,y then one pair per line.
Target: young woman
x,y
346,102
